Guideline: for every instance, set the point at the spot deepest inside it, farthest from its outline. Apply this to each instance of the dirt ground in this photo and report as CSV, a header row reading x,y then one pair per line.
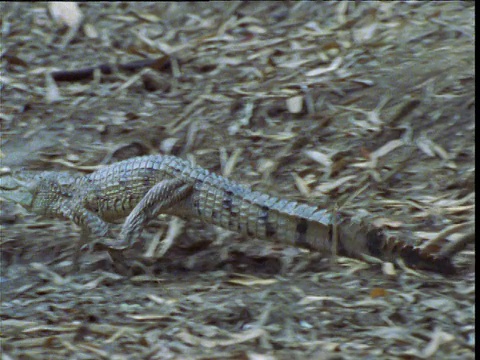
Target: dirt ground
x,y
366,106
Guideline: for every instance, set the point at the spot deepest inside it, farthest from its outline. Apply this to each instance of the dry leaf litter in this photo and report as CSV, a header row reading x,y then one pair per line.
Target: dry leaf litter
x,y
366,107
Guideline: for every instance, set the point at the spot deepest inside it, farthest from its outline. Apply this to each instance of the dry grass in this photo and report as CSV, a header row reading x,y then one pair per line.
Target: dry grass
x,y
368,107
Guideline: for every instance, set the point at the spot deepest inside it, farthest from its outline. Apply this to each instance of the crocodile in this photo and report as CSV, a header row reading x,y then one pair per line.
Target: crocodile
x,y
139,189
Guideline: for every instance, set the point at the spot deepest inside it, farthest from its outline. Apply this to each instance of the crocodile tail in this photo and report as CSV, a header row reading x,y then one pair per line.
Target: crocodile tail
x,y
381,246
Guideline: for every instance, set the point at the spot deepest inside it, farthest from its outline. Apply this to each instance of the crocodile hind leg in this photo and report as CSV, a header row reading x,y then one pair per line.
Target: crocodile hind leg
x,y
161,197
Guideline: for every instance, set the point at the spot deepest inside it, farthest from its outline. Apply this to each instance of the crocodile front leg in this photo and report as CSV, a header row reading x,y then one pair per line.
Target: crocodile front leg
x,y
89,223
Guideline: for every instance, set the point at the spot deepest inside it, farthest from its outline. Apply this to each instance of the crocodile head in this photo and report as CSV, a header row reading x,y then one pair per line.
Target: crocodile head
x,y
17,190
32,189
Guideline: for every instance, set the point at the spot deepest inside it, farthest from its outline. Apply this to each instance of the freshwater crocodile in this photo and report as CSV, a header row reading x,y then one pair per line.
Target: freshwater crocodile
x,y
139,189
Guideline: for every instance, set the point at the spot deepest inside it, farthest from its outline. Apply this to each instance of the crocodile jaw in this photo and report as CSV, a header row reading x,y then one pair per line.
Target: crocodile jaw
x,y
20,196
17,191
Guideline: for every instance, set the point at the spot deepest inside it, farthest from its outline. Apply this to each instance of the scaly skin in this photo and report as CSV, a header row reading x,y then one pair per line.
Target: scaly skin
x,y
144,187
